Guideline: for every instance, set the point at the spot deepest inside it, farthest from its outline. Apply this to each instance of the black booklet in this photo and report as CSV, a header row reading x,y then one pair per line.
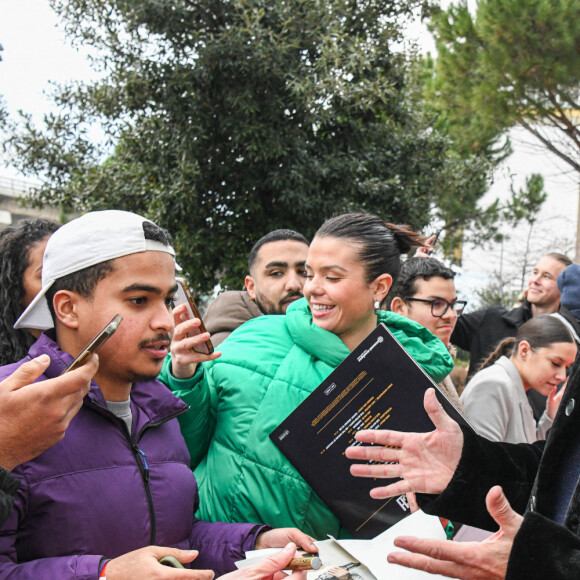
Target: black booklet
x,y
378,386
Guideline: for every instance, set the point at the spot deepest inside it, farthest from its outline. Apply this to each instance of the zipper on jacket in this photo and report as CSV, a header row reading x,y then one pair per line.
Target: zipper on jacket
x,y
145,469
141,460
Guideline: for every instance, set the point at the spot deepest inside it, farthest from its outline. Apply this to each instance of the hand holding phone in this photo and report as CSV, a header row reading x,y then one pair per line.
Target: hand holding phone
x,y
95,344
429,247
185,296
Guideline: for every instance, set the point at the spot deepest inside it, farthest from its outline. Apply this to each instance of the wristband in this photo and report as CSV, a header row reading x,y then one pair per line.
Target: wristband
x,y
102,574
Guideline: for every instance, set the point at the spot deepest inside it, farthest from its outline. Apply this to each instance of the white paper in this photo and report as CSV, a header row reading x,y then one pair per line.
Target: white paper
x,y
374,552
338,564
366,559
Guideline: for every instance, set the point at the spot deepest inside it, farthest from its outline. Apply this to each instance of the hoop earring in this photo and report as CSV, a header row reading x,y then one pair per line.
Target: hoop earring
x,y
377,306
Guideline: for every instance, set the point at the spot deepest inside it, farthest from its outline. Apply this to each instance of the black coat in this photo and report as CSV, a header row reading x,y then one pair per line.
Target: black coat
x,y
527,472
480,332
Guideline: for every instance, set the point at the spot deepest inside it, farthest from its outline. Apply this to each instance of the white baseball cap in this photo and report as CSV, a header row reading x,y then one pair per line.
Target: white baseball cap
x,y
93,238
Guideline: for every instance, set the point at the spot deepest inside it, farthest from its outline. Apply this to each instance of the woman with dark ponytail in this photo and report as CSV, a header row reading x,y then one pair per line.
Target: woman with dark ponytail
x,y
495,399
272,363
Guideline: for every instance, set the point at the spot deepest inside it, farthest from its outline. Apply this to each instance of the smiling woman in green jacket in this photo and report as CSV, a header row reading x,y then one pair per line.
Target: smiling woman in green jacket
x,y
270,364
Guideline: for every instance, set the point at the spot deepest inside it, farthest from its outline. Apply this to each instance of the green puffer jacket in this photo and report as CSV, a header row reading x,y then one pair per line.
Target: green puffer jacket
x,y
268,367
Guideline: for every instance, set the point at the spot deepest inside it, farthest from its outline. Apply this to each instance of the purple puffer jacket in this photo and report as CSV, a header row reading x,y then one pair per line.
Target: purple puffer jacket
x,y
100,493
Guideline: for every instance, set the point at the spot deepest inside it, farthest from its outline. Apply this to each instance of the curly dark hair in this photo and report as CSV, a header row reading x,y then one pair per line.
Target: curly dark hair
x,y
15,244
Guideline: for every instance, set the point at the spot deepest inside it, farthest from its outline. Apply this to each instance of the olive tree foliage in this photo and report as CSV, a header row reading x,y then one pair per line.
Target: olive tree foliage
x,y
225,119
509,62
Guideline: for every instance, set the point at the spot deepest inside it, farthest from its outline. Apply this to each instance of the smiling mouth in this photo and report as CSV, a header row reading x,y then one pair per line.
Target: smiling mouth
x,y
321,307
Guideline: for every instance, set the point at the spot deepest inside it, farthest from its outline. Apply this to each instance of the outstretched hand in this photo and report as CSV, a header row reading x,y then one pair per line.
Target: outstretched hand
x,y
423,462
184,359
485,560
35,415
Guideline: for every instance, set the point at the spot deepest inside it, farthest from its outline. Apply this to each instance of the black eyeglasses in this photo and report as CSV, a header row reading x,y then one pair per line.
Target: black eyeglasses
x,y
439,306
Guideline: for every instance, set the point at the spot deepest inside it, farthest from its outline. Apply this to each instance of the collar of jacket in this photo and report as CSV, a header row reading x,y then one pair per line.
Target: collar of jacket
x,y
505,363
152,397
423,346
517,316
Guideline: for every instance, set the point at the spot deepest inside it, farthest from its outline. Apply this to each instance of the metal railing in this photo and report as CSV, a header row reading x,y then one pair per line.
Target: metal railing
x,y
15,187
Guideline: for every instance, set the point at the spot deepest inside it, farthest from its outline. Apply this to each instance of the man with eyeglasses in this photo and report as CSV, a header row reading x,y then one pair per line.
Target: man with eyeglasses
x,y
425,292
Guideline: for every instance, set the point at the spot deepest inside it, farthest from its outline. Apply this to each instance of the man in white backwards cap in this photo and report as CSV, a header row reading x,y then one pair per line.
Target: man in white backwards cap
x,y
101,502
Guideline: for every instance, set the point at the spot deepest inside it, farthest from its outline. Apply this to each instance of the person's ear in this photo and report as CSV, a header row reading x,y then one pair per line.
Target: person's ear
x,y
381,286
524,349
250,287
66,308
399,306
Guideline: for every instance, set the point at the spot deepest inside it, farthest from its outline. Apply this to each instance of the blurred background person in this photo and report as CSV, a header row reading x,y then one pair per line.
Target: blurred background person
x,y
569,286
537,358
21,250
480,331
275,279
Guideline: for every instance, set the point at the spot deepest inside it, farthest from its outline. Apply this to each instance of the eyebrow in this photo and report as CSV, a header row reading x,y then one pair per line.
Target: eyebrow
x,y
326,268
147,288
435,297
276,265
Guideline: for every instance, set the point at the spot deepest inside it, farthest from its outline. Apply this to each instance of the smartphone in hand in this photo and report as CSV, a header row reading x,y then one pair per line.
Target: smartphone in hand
x,y
184,296
95,344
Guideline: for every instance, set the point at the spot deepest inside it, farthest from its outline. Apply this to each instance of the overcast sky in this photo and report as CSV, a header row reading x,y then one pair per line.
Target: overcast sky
x,y
36,51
